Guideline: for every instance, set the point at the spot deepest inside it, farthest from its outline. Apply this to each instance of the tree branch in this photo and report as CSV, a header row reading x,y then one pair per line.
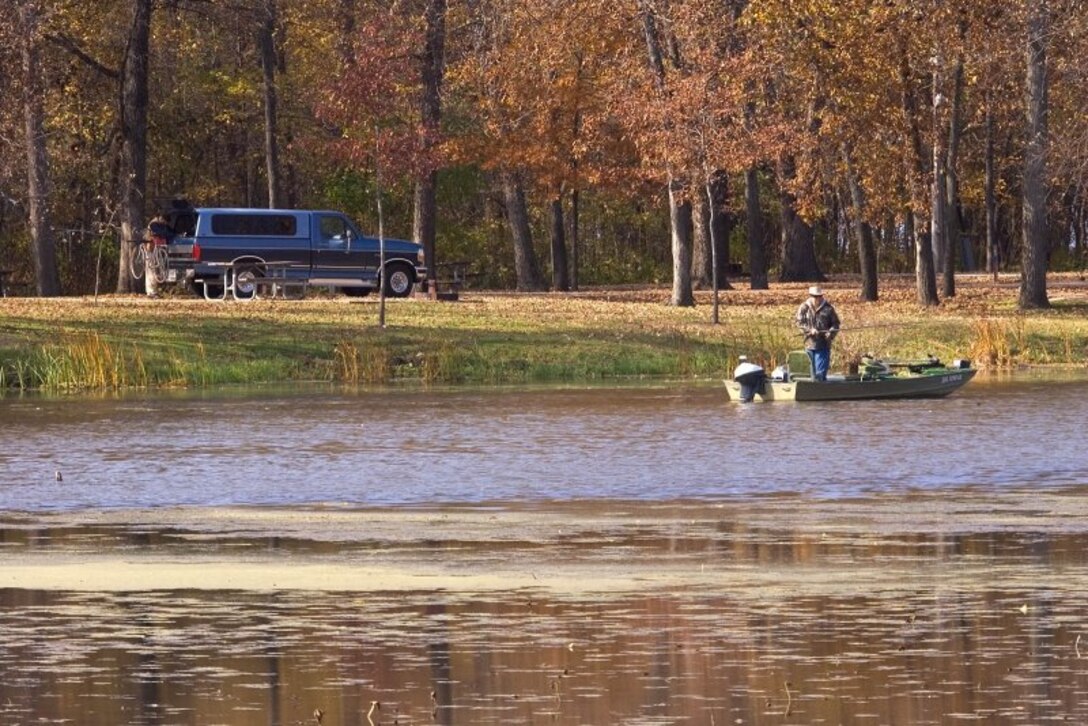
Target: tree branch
x,y
70,45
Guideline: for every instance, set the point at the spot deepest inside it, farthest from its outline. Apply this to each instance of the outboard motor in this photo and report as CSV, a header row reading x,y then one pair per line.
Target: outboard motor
x,y
751,378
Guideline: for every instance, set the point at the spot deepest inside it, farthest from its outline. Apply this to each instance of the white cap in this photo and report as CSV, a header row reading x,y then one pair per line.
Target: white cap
x,y
815,291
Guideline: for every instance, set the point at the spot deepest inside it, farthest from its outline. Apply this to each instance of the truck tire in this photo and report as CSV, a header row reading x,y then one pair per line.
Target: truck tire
x,y
244,290
399,280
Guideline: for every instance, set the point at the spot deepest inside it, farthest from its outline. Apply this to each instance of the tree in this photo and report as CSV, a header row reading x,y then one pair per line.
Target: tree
x,y
42,248
432,67
268,29
134,108
1034,261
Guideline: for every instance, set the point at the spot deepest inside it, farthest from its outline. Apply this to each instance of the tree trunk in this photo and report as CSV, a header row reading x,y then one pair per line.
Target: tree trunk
x,y
992,256
702,272
938,227
267,42
925,274
560,279
134,100
718,193
798,241
526,266
680,223
711,228
953,224
575,246
42,247
1034,260
863,232
757,251
432,65
679,211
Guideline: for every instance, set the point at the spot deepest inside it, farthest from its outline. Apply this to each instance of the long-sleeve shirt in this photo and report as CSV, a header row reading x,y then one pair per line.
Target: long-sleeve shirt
x,y
823,319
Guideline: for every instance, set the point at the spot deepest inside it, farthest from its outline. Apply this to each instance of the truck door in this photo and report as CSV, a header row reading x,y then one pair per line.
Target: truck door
x,y
338,249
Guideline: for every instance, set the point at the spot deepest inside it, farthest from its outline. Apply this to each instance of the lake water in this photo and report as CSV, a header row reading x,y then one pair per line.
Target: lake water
x,y
635,555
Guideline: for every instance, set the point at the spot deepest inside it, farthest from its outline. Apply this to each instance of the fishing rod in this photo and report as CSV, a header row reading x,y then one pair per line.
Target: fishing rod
x,y
851,328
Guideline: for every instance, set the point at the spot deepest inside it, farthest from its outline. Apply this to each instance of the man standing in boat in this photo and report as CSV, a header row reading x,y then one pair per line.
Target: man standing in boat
x,y
819,323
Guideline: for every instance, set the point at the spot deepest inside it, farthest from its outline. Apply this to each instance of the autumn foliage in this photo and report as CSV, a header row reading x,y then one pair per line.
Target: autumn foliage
x,y
894,131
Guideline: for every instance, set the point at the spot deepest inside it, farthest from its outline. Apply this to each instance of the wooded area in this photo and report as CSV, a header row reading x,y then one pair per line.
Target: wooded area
x,y
599,141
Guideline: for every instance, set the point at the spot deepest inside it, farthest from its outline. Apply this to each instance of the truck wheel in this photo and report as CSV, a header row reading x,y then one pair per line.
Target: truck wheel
x,y
398,281
244,287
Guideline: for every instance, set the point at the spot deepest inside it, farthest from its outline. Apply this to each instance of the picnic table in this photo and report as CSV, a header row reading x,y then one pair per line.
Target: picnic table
x,y
452,276
270,277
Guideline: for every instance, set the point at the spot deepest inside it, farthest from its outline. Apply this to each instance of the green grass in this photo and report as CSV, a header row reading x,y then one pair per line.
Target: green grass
x,y
116,342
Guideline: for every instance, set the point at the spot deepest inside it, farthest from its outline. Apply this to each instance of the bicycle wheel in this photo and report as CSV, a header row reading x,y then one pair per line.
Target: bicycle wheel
x,y
138,261
158,263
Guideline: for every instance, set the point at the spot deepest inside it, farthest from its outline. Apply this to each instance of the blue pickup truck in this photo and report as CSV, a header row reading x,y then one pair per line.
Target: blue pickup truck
x,y
315,247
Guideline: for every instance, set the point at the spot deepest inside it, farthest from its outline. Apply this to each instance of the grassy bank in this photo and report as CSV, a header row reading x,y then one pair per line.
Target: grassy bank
x,y
120,342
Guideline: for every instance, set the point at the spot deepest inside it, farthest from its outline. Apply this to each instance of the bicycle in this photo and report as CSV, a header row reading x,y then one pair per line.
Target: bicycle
x,y
150,257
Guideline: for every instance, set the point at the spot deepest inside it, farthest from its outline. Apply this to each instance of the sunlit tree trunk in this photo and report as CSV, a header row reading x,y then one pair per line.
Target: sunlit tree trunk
x,y
701,269
1034,256
134,101
679,206
267,42
42,246
680,223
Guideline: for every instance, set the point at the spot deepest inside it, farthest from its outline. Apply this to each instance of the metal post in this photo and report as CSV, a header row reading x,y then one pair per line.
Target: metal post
x,y
381,231
713,250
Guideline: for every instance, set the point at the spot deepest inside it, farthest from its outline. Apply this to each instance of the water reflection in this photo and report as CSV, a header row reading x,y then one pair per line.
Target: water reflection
x,y
842,653
866,611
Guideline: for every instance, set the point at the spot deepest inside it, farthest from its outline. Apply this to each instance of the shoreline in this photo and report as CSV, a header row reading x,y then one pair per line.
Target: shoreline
x,y
500,338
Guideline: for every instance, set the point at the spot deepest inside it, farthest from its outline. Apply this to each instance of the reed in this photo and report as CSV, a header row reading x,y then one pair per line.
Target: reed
x,y
996,344
370,363
440,365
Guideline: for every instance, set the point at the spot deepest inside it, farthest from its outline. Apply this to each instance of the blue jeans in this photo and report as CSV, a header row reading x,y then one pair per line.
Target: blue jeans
x,y
820,361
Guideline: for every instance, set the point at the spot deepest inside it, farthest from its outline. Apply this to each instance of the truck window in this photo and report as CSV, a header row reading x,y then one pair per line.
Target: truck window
x,y
333,230
254,225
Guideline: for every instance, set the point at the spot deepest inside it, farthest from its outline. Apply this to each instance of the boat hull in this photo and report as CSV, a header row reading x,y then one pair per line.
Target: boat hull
x,y
926,385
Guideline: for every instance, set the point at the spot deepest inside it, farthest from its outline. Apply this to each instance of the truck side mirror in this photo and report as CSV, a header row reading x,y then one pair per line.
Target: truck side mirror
x,y
348,236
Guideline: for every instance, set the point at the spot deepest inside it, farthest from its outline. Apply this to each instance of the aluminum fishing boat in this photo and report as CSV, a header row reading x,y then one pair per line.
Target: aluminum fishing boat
x,y
927,378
